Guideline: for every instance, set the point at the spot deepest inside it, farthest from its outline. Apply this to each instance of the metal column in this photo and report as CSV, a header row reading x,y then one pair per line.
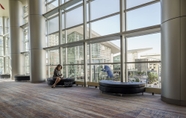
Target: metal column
x,y
15,7
37,41
84,37
173,46
123,41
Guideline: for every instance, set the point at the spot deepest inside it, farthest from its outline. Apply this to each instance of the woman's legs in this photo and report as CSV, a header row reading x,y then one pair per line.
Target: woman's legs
x,y
58,79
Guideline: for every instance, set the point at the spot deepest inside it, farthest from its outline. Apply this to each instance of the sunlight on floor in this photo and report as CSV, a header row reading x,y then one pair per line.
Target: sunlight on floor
x,y
6,80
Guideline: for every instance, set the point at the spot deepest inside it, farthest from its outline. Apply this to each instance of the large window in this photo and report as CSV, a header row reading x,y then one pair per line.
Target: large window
x,y
97,72
52,32
52,60
73,61
1,65
1,54
143,17
1,25
144,56
7,46
1,46
6,25
7,67
100,35
51,4
26,64
25,51
74,71
4,46
105,26
75,34
100,8
134,3
104,61
53,39
144,47
74,55
149,73
25,41
72,19
25,14
52,25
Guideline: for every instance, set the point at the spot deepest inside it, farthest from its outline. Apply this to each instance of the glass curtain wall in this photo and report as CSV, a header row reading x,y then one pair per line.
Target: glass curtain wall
x,y
1,45
86,35
51,4
73,61
7,55
52,60
25,41
1,56
25,51
144,59
52,31
103,61
143,52
25,14
4,46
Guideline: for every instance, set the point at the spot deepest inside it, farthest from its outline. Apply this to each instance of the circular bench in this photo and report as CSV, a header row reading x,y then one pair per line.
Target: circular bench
x,y
66,81
21,77
5,76
121,87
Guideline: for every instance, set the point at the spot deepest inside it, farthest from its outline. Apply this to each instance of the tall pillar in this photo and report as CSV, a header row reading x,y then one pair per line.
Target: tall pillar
x,y
37,40
16,37
84,37
173,48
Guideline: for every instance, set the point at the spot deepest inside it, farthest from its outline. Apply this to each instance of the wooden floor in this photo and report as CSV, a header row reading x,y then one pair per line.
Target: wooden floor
x,y
26,100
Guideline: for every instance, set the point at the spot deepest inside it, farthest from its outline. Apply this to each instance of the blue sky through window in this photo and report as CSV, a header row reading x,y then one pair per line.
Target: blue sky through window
x,y
139,18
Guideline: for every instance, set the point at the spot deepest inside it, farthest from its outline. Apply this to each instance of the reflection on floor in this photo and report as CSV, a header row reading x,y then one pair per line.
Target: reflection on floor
x,y
23,99
6,80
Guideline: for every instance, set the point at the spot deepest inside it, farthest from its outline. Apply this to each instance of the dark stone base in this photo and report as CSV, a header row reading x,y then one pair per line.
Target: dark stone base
x,y
174,102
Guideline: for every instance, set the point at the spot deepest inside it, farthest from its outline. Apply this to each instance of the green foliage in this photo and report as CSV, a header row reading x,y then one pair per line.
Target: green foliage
x,y
137,80
152,77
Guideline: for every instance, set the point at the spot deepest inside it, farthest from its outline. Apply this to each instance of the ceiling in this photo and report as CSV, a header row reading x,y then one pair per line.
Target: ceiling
x,y
24,1
5,4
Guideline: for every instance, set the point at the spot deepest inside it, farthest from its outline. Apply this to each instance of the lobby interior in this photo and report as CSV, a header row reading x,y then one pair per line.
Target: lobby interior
x,y
141,41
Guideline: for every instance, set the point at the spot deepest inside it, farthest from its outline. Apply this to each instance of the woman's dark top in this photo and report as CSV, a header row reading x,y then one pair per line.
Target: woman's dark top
x,y
57,73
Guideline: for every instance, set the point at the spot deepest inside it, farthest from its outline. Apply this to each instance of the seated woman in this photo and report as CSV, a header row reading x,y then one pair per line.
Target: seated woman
x,y
57,75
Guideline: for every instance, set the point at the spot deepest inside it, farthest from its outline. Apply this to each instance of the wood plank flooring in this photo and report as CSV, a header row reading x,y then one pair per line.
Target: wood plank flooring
x,y
26,100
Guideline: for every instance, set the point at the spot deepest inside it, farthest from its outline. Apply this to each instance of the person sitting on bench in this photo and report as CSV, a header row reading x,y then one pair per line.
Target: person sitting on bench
x,y
57,75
